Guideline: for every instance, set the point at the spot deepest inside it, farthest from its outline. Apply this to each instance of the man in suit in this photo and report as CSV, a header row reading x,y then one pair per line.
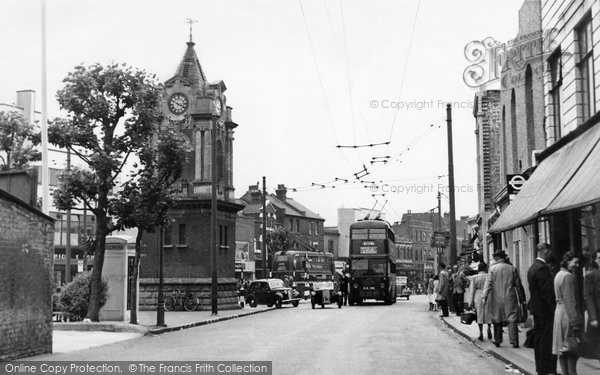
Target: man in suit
x,y
541,305
443,289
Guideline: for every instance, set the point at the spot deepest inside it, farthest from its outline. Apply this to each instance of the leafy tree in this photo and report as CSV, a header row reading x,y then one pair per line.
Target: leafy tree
x,y
144,201
110,113
74,297
18,141
280,239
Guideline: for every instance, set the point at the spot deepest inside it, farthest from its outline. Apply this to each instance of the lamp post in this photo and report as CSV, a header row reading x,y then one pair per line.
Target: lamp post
x,y
264,226
213,221
160,309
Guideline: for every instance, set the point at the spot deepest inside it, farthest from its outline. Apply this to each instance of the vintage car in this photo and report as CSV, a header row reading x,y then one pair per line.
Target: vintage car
x,y
323,293
271,292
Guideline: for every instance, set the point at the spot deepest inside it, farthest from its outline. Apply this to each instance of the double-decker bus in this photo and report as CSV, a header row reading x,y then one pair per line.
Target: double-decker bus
x,y
304,267
372,262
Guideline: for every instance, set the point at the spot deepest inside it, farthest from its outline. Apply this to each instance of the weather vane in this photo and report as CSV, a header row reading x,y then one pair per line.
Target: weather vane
x,y
190,21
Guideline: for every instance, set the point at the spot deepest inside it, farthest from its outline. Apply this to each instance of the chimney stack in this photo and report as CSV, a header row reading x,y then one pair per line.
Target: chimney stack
x,y
254,193
281,192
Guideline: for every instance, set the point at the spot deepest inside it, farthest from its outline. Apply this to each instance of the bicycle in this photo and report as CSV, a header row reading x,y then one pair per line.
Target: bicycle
x,y
185,299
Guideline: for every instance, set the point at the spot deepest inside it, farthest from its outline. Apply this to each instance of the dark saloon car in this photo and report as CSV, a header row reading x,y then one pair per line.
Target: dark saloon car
x,y
271,292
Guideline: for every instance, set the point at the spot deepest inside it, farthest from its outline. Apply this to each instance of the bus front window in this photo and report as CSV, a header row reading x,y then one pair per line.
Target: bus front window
x,y
359,266
378,266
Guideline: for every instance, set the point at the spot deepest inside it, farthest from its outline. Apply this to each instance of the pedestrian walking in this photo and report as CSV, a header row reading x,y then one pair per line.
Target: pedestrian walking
x,y
567,317
431,294
459,284
591,296
503,291
483,313
542,303
450,300
436,281
443,289
345,281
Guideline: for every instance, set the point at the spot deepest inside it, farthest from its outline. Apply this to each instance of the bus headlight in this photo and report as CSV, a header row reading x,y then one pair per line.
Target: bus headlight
x,y
382,285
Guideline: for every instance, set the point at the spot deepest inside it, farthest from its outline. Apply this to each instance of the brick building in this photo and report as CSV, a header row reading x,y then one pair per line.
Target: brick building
x,y
413,244
26,254
488,136
286,212
510,133
196,108
559,203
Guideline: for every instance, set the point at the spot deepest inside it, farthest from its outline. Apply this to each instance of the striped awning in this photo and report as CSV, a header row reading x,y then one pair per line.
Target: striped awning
x,y
563,180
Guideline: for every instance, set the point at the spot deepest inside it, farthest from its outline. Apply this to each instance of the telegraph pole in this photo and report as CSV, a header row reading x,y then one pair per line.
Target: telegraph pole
x,y
439,219
213,221
264,226
451,186
68,242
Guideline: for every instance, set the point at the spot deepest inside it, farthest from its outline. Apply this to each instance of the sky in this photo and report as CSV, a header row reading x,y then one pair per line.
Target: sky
x,y
303,77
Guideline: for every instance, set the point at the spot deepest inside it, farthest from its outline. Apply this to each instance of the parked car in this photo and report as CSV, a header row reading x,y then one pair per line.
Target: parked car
x,y
323,293
271,292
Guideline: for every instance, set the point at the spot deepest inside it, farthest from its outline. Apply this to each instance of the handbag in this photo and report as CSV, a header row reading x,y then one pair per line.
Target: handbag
x,y
571,344
468,317
521,313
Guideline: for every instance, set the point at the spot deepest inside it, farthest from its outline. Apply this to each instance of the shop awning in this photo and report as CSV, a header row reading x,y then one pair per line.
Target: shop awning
x,y
583,189
550,179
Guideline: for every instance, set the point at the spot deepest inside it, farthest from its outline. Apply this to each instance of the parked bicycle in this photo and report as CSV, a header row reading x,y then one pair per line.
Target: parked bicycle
x,y
182,299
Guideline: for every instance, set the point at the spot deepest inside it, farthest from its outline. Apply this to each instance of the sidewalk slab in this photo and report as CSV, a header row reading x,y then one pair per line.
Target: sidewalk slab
x,y
73,336
522,358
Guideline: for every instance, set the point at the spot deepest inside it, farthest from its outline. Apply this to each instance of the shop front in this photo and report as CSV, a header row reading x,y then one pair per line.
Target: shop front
x,y
560,203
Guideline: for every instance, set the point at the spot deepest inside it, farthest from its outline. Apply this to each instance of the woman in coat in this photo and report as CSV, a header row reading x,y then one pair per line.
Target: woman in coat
x,y
591,296
500,293
430,294
476,289
567,318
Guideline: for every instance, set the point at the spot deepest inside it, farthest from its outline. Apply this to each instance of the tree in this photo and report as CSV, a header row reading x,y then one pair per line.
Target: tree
x,y
144,201
110,113
280,239
18,141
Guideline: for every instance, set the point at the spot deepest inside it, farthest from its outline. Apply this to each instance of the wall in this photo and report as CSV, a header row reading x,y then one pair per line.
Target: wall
x,y
22,184
26,261
561,18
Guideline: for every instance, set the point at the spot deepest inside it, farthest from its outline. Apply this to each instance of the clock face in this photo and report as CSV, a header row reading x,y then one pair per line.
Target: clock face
x,y
178,103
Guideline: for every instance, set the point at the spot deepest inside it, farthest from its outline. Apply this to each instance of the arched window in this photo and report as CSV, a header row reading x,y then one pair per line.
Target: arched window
x,y
513,131
529,111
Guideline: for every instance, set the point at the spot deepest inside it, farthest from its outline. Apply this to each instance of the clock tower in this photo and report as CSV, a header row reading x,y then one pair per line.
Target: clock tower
x,y
196,108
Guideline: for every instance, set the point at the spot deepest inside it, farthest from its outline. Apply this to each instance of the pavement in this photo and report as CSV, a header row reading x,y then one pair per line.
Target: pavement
x,y
69,337
519,360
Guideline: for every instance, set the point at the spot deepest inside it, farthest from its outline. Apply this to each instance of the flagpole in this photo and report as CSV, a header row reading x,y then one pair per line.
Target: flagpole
x,y
45,193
